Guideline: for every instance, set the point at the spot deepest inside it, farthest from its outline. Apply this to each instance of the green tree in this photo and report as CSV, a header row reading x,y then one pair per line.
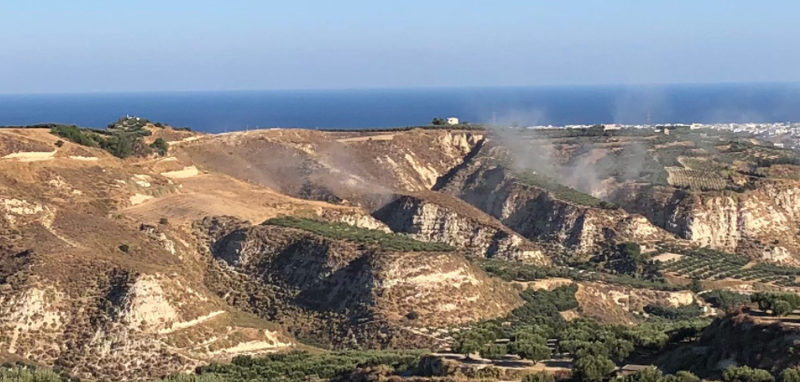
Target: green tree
x,y
696,286
650,374
682,376
160,146
790,375
746,374
532,349
493,351
466,346
541,376
726,300
781,308
592,368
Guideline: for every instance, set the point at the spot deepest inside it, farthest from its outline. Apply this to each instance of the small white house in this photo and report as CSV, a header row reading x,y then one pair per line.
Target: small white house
x,y
452,121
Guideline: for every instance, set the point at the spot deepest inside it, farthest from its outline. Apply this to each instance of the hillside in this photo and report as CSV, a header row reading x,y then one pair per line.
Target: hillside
x,y
254,242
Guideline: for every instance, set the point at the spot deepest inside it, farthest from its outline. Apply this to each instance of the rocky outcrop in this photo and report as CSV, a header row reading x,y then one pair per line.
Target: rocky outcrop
x,y
124,325
762,223
539,215
355,281
444,219
354,219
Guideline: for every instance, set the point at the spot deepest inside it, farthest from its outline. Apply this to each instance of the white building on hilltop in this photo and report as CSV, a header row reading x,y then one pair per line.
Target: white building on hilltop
x,y
452,121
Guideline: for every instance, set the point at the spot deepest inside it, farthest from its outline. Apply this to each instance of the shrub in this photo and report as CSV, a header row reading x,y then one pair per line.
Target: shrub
x,y
746,374
672,313
681,376
650,374
541,376
790,375
493,351
74,134
530,348
781,308
592,369
10,373
725,300
124,248
160,146
163,221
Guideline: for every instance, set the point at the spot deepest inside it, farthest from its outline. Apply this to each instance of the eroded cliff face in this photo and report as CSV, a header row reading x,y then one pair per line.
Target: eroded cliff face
x,y
763,223
434,219
124,325
355,283
538,215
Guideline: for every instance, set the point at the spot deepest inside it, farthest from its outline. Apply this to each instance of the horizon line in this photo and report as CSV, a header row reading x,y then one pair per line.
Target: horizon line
x,y
466,87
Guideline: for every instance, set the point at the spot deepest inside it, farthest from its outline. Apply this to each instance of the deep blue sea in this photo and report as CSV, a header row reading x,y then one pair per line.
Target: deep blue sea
x,y
356,109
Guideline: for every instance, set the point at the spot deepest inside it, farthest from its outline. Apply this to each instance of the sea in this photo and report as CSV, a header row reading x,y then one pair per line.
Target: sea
x,y
222,111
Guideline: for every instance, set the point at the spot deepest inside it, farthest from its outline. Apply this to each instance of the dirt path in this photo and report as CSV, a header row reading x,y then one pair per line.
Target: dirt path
x,y
380,137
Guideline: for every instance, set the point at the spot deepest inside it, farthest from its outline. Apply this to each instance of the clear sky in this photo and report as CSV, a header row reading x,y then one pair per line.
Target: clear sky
x,y
145,45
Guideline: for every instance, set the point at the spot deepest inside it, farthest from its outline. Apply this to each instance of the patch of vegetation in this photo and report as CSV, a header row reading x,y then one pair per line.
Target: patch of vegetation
x,y
684,312
122,140
160,146
709,264
626,258
75,134
746,374
696,180
651,374
779,303
562,192
342,231
510,271
726,300
27,373
543,307
303,366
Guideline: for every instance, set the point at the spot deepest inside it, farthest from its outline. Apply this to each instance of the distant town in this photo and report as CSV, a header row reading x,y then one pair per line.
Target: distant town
x,y
781,134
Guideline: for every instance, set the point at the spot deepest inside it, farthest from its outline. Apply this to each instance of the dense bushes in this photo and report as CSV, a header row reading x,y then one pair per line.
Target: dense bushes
x,y
19,373
725,300
160,146
628,259
651,374
122,139
780,304
342,231
746,374
542,307
75,134
302,366
526,342
684,312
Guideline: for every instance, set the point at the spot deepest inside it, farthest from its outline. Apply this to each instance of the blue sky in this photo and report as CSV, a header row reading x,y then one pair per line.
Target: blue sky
x,y
102,45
